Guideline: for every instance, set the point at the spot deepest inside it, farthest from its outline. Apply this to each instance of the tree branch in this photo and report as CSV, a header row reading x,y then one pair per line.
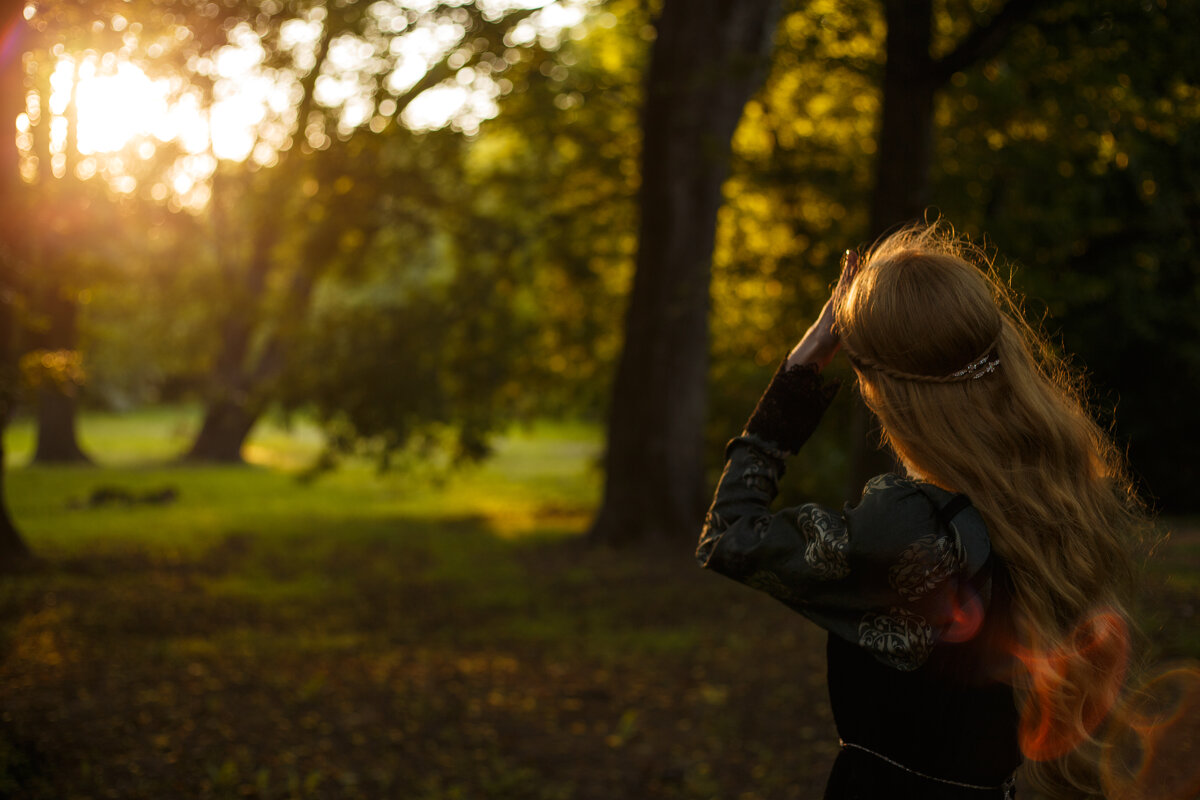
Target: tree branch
x,y
493,31
984,41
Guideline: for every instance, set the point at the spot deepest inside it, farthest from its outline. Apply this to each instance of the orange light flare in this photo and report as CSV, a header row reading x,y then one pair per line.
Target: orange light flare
x,y
965,616
1073,686
1153,752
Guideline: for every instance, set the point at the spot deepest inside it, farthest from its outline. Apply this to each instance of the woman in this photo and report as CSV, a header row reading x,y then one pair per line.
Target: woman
x,y
975,605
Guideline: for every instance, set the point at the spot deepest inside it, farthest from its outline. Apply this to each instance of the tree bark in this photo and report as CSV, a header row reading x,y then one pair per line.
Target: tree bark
x,y
709,58
229,412
57,442
901,181
226,425
239,381
911,78
14,553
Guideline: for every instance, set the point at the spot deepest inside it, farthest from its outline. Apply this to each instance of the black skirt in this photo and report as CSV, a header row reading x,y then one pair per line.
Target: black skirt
x,y
941,731
858,775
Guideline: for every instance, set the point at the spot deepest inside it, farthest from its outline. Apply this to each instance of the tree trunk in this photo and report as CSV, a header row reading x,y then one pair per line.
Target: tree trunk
x,y
231,413
228,413
709,57
226,425
911,78
230,416
906,126
14,554
13,551
901,181
57,442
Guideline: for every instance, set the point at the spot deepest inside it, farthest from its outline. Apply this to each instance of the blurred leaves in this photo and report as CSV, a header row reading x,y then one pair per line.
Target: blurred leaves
x,y
502,258
61,368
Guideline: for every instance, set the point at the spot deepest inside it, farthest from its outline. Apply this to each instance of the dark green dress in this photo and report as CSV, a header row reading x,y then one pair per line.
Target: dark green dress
x,y
915,603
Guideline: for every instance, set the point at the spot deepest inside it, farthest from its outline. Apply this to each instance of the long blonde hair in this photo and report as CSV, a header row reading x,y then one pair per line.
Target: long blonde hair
x,y
1014,435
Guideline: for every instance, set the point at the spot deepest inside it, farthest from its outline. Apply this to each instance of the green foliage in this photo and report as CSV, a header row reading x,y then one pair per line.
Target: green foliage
x,y
1073,152
424,289
502,301
410,371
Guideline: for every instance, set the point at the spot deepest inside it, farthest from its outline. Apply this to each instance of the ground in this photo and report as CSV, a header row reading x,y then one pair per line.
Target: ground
x,y
380,636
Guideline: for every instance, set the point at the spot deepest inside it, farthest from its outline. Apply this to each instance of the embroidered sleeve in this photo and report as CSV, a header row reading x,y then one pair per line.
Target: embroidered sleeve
x,y
882,574
792,406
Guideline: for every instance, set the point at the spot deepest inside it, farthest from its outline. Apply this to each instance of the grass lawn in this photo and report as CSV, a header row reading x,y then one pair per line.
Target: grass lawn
x,y
380,636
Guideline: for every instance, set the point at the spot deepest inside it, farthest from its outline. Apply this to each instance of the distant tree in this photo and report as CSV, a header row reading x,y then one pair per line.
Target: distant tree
x,y
491,292
267,234
67,212
13,550
63,218
707,60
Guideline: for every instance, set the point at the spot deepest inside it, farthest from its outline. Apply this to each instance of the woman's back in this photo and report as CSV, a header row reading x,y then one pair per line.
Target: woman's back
x,y
954,624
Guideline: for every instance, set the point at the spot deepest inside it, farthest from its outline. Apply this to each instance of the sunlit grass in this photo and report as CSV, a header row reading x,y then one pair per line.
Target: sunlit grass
x,y
258,635
162,434
540,476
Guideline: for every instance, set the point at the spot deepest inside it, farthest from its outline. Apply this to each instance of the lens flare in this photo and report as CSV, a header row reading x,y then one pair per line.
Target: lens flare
x,y
1152,753
1074,686
965,616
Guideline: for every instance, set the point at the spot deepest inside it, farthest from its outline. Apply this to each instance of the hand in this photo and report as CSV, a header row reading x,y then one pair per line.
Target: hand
x,y
820,343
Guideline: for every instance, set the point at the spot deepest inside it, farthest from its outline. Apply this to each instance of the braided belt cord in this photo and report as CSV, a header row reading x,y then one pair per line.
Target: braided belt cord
x,y
1008,787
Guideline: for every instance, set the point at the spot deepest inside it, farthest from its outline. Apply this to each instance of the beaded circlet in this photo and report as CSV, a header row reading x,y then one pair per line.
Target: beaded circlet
x,y
986,363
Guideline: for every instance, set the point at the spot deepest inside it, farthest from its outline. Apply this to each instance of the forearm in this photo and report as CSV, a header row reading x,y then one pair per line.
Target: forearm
x,y
792,405
818,347
786,415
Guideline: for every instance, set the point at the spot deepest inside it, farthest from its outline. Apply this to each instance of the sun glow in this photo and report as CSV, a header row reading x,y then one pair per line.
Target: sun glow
x,y
103,115
115,108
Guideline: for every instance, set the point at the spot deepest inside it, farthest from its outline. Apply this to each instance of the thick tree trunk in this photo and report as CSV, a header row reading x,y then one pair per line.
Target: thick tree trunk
x,y
710,56
911,78
229,413
226,425
57,442
231,410
230,416
901,180
13,551
14,554
906,126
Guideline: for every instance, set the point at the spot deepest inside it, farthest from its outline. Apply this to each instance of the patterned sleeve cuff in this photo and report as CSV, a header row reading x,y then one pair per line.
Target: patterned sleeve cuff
x,y
792,406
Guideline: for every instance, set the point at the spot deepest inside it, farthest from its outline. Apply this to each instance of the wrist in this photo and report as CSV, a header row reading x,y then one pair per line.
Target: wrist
x,y
818,350
791,407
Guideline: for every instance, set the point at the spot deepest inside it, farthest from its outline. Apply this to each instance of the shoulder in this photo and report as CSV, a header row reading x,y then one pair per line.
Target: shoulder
x,y
892,512
890,487
901,517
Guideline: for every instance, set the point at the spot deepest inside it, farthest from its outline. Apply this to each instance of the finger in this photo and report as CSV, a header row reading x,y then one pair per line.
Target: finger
x,y
849,271
849,267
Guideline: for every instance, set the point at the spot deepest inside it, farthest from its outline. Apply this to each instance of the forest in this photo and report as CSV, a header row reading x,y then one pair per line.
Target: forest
x,y
366,366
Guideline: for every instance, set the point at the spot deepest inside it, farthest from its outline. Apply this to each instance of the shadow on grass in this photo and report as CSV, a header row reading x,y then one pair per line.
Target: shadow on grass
x,y
414,657
358,654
